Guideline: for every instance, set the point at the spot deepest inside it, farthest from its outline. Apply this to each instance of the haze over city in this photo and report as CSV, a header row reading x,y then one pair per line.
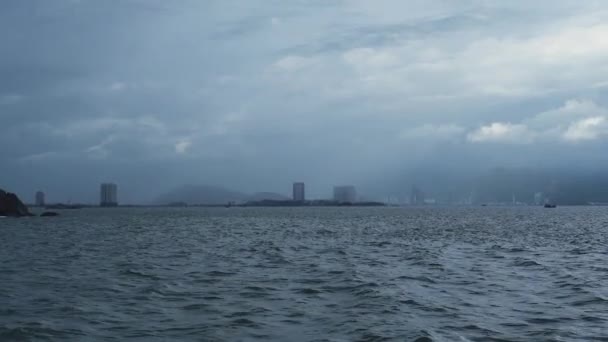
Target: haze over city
x,y
254,95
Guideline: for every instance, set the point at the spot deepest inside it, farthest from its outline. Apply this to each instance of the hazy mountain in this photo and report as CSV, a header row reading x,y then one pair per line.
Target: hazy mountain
x,y
205,194
574,186
201,194
260,196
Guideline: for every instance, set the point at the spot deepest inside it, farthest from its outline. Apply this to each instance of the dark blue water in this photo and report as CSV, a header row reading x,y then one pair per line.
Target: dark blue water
x,y
305,274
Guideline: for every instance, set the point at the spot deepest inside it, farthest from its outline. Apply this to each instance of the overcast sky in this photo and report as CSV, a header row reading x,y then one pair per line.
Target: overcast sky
x,y
255,94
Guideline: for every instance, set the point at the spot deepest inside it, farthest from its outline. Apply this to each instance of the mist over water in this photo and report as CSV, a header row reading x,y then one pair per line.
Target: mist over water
x,y
306,274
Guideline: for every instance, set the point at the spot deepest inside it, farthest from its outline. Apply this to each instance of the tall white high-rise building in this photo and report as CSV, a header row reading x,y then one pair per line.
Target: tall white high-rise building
x,y
345,194
299,192
108,195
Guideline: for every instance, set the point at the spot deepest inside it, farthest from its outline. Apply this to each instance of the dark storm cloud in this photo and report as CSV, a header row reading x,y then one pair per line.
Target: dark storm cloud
x,y
256,94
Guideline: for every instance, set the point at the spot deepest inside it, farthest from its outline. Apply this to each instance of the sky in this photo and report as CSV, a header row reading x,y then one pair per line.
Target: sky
x,y
254,95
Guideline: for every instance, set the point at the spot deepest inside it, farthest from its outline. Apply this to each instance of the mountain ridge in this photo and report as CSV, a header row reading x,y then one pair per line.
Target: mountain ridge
x,y
192,194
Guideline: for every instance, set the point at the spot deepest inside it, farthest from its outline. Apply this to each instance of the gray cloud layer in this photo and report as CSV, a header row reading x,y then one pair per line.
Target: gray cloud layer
x,y
255,94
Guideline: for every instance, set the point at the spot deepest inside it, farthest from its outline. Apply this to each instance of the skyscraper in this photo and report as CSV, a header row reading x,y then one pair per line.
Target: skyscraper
x,y
299,192
417,196
40,199
108,195
345,194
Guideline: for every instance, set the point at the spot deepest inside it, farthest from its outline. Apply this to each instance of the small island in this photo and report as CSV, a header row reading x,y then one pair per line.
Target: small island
x,y
12,206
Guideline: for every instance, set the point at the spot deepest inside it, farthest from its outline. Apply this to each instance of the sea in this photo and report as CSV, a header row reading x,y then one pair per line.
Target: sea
x,y
306,274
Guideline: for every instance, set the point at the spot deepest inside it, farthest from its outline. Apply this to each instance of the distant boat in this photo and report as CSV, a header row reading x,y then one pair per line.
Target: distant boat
x,y
550,205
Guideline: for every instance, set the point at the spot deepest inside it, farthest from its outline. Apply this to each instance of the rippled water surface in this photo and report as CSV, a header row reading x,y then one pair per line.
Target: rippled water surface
x,y
306,274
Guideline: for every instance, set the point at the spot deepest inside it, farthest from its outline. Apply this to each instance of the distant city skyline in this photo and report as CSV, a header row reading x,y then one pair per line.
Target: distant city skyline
x,y
499,185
